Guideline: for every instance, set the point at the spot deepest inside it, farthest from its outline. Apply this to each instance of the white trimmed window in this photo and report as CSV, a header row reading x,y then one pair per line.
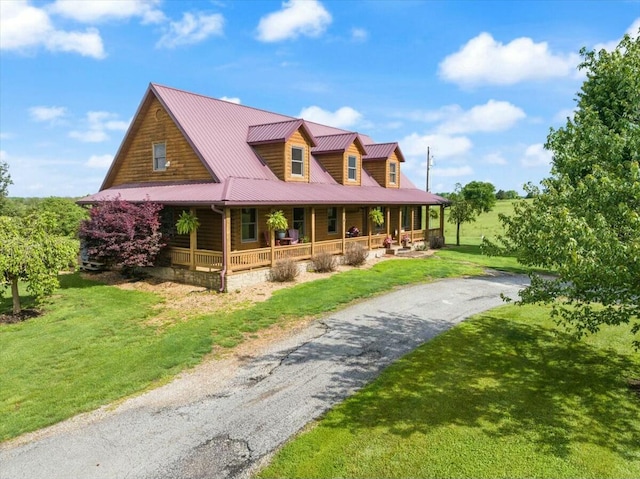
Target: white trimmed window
x,y
297,161
249,225
352,172
393,174
332,220
159,156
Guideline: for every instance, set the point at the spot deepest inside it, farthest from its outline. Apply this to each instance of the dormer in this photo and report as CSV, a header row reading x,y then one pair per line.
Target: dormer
x,y
285,147
382,161
341,155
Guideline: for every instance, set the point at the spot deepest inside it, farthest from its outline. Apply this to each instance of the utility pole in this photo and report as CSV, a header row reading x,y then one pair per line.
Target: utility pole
x,y
429,165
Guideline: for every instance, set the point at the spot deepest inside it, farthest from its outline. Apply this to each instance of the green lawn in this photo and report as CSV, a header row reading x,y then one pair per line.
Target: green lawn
x,y
504,394
486,224
94,343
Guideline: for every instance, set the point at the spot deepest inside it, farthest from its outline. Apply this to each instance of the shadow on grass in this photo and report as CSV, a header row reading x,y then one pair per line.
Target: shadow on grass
x,y
509,380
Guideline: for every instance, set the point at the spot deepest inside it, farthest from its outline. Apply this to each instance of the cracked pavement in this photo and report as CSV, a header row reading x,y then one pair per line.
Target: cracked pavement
x,y
226,428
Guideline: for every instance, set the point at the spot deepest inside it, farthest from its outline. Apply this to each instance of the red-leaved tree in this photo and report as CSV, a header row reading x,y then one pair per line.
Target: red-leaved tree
x,y
124,234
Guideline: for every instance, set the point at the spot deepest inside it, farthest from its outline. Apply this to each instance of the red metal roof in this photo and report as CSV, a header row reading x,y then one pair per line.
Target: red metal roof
x,y
247,192
382,151
219,132
333,143
277,132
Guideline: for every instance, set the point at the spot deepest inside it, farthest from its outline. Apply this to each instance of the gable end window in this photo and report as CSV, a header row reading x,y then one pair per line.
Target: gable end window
x,y
297,161
159,156
249,225
392,173
352,172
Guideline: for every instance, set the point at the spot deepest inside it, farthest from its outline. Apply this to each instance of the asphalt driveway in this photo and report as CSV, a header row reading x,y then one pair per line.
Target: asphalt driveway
x,y
220,421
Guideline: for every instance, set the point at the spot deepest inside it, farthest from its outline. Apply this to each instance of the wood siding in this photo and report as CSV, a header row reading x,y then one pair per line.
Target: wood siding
x,y
210,231
301,141
278,157
273,155
337,164
352,151
135,161
379,169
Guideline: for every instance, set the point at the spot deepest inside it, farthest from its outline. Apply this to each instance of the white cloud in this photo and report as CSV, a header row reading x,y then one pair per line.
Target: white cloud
x,y
3,155
104,10
297,17
99,124
99,161
492,116
535,155
483,60
6,135
494,159
344,117
452,172
193,28
232,99
442,146
47,113
632,31
23,27
562,115
359,35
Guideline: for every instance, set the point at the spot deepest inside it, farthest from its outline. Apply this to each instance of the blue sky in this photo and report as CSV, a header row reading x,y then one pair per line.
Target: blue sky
x,y
479,82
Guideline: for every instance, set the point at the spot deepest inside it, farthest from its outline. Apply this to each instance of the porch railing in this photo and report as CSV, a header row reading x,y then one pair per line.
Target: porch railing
x,y
260,257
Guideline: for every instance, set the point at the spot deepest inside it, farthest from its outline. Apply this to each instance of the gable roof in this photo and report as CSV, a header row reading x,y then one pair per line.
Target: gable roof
x,y
222,133
337,143
382,151
277,132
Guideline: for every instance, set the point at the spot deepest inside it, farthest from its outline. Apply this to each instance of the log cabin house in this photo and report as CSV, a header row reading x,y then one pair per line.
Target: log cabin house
x,y
231,165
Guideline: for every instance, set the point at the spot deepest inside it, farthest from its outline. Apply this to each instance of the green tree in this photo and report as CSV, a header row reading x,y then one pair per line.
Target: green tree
x,y
30,253
584,222
468,202
67,213
5,181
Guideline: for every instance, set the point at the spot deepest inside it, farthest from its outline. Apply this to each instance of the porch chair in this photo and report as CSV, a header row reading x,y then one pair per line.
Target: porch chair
x,y
293,234
267,237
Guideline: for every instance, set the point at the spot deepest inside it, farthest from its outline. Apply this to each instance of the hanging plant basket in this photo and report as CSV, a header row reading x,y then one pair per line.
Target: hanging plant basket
x,y
187,223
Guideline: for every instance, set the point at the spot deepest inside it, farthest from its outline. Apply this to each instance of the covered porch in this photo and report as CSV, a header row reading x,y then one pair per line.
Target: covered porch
x,y
236,239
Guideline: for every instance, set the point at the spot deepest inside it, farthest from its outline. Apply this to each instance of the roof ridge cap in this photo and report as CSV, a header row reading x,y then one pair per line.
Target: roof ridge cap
x,y
226,102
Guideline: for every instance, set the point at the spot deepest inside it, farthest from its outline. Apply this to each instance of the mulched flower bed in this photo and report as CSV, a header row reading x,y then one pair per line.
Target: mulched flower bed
x,y
21,316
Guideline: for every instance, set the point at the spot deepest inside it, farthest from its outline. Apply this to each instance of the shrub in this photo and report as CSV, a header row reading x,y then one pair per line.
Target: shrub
x,y
436,242
356,255
323,263
123,234
421,247
284,270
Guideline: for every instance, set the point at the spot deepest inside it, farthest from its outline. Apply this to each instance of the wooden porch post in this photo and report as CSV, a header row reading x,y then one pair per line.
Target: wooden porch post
x,y
272,245
413,214
387,220
369,225
193,243
227,231
313,230
399,224
344,233
442,223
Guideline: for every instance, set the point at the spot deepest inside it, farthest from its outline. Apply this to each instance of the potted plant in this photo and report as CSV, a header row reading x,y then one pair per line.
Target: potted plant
x,y
276,221
405,240
187,223
376,216
387,242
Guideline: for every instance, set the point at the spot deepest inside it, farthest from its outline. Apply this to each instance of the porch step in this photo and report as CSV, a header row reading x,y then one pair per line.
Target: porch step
x,y
397,250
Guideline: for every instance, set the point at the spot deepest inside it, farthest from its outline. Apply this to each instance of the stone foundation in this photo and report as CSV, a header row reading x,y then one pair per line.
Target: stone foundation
x,y
206,279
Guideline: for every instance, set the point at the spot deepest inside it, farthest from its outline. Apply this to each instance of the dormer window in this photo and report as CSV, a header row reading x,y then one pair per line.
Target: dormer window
x,y
392,173
297,161
159,156
352,172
